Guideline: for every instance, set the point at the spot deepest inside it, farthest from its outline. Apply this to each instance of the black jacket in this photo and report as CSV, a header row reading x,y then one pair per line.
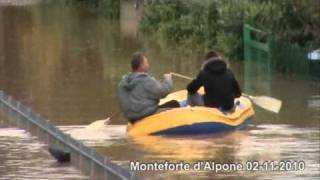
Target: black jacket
x,y
219,83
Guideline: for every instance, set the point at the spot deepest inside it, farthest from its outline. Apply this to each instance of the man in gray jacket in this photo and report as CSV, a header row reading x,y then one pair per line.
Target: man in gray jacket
x,y
140,93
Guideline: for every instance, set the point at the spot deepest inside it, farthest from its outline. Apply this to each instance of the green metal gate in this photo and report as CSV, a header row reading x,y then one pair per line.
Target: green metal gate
x,y
257,60
263,53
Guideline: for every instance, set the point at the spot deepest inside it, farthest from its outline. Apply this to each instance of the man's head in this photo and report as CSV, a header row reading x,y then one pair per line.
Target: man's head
x,y
212,55
139,63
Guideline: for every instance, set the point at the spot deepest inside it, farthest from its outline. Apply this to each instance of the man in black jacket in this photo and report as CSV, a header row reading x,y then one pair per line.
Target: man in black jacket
x,y
220,85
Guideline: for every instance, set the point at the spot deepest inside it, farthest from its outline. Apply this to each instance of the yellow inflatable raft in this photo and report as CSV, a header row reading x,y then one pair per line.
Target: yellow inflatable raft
x,y
192,120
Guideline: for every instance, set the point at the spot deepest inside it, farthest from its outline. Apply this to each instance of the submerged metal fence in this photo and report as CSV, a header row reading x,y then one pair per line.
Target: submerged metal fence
x,y
257,62
264,48
83,157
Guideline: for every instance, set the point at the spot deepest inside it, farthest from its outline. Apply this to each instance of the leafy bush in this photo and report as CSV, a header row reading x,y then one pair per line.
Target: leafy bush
x,y
218,23
107,8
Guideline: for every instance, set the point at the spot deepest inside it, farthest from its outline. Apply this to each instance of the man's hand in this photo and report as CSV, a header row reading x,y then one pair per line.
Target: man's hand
x,y
167,76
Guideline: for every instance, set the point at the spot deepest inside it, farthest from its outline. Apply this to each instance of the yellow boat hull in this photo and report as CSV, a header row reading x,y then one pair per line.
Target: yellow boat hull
x,y
192,120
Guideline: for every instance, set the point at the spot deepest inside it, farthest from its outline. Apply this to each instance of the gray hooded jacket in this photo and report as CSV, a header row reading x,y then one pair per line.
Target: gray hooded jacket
x,y
139,95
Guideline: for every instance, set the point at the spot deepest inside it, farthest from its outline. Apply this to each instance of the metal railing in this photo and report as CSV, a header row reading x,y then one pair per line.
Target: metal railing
x,y
86,158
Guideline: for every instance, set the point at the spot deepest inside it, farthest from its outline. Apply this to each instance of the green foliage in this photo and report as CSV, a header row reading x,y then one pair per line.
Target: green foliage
x,y
289,20
218,23
177,20
107,8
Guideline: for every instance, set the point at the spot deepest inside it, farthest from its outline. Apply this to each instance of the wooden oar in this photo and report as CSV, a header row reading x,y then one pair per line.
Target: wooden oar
x,y
63,155
265,102
100,123
180,76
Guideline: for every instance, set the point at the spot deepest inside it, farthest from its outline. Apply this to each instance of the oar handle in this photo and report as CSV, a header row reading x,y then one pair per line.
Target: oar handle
x,y
189,78
247,95
114,115
180,76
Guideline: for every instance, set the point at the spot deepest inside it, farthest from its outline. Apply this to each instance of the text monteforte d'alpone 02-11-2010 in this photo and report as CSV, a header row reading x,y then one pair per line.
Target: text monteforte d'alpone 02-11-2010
x,y
218,167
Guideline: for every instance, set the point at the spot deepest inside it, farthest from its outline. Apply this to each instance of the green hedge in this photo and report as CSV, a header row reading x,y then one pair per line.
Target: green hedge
x,y
218,23
107,8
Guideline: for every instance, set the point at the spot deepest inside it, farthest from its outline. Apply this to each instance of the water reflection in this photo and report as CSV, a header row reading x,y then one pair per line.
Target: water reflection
x,y
189,148
65,62
261,143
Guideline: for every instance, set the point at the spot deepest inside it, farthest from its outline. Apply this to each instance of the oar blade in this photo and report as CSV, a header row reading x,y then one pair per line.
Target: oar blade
x,y
98,124
268,103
